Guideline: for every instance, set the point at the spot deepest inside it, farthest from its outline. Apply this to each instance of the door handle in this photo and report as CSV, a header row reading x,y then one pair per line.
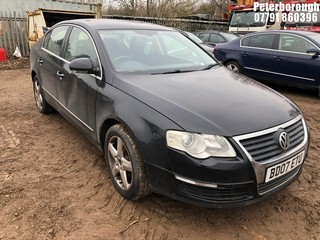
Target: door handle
x,y
60,75
40,61
277,58
244,54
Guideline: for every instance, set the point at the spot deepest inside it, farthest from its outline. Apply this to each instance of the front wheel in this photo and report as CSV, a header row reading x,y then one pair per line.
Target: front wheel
x,y
42,104
125,164
233,66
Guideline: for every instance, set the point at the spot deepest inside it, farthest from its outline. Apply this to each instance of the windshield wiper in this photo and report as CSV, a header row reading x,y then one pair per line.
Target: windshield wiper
x,y
174,71
209,66
256,24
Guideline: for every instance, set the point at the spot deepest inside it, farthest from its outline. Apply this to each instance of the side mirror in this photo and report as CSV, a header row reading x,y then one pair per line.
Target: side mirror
x,y
313,51
81,65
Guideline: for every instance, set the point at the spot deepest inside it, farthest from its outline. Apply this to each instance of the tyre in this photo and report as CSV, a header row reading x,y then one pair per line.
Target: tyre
x,y
233,66
125,164
42,104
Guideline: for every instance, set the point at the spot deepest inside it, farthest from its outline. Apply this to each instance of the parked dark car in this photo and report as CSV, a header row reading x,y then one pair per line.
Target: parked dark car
x,y
168,117
215,37
208,47
283,57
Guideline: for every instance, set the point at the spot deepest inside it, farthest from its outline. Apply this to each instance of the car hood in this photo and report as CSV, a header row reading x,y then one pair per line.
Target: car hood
x,y
215,101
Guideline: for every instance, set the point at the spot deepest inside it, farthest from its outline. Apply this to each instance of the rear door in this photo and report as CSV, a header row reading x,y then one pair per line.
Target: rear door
x,y
257,55
49,60
78,89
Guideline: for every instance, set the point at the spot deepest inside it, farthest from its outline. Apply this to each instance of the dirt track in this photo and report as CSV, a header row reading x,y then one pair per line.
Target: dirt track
x,y
53,186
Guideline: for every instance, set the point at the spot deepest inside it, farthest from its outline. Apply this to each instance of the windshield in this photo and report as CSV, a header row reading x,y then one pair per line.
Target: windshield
x,y
315,37
246,19
311,19
229,36
153,52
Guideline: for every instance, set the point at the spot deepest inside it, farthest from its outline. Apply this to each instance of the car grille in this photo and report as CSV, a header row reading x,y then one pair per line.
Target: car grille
x,y
269,186
266,146
234,193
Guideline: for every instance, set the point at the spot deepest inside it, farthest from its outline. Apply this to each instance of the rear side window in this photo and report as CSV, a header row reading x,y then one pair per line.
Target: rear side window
x,y
53,41
245,41
260,41
215,38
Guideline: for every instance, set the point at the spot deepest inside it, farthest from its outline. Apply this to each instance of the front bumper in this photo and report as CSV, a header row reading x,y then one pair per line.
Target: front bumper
x,y
221,182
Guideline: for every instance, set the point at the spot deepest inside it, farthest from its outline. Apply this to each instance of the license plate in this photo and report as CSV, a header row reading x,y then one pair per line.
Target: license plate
x,y
284,167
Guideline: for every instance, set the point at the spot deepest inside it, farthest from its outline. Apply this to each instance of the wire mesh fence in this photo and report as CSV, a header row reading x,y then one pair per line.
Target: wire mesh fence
x,y
183,24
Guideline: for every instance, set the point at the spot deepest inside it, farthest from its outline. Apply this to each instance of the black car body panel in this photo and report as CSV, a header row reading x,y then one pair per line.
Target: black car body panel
x,y
213,101
178,99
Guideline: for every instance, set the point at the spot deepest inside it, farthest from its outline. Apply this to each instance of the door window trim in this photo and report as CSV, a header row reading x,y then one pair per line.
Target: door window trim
x,y
266,49
278,50
67,36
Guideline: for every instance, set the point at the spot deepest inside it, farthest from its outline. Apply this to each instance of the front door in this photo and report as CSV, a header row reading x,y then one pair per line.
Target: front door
x,y
79,88
257,55
294,65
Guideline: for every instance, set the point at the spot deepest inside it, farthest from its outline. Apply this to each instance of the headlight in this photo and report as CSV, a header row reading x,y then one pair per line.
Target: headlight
x,y
200,145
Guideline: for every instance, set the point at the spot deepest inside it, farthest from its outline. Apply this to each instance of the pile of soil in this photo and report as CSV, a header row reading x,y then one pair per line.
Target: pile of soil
x,y
15,63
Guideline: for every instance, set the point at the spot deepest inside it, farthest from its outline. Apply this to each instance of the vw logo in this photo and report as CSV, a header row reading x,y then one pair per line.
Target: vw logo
x,y
284,140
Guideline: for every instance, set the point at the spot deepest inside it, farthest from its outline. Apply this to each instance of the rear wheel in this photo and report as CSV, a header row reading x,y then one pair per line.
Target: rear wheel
x,y
42,104
124,163
233,66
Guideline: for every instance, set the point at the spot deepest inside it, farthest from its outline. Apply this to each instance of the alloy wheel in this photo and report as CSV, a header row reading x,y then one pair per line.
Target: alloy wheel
x,y
233,68
120,163
38,95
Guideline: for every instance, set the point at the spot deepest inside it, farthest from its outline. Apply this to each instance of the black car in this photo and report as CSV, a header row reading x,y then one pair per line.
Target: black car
x,y
215,37
168,117
282,57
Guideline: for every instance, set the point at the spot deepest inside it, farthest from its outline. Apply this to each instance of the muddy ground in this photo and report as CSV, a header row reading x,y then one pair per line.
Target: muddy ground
x,y
53,185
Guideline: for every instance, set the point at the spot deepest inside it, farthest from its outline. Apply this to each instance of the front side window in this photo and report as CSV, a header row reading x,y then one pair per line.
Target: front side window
x,y
260,41
80,45
206,37
154,52
293,43
54,39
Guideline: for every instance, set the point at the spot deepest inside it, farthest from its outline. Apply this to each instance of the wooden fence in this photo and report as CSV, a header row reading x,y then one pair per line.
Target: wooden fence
x,y
13,33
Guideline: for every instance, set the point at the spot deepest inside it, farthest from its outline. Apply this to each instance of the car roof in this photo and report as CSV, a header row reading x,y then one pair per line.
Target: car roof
x,y
115,24
301,33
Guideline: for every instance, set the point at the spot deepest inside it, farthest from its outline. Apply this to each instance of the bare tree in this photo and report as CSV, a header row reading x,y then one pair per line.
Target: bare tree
x,y
159,8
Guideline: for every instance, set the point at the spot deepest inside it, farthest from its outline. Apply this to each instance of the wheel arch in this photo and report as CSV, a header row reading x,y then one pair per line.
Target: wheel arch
x,y
33,74
106,125
235,61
